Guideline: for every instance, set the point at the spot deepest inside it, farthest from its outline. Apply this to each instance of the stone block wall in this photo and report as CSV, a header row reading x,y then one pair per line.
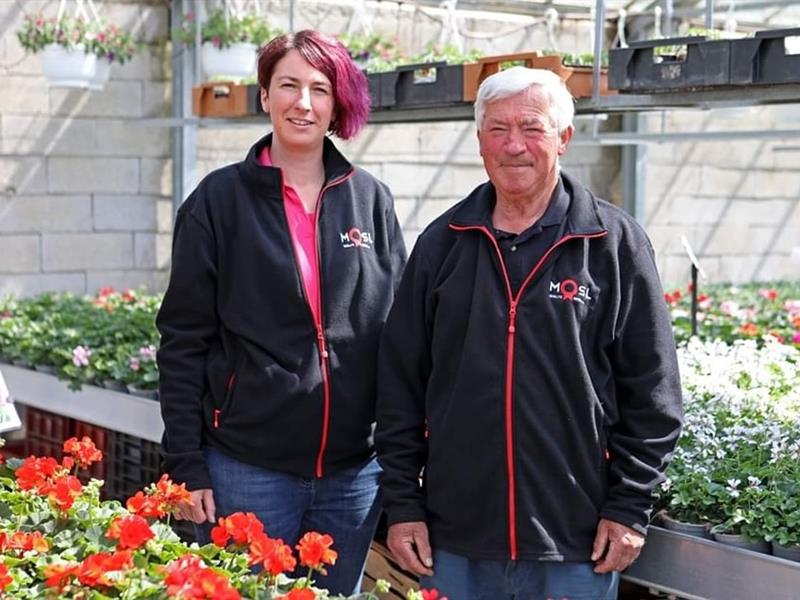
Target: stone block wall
x,y
85,180
84,183
736,201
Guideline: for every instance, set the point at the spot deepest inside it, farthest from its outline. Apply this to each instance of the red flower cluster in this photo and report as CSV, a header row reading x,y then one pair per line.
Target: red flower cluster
x,y
299,594
159,499
315,550
188,578
83,452
749,330
21,541
246,530
5,578
673,298
50,478
132,532
432,595
96,570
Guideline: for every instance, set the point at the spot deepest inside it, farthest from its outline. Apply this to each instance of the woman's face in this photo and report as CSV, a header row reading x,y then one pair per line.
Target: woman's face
x,y
299,102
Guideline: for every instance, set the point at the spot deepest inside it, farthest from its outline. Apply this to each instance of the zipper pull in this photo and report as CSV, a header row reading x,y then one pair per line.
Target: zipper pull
x,y
216,418
321,341
512,318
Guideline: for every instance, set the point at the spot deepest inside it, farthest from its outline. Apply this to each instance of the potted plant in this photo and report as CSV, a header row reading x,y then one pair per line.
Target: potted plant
x,y
75,52
110,44
67,60
59,540
229,41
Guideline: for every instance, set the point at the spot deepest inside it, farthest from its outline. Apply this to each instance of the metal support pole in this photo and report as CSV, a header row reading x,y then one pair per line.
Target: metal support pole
x,y
709,14
694,299
668,15
634,164
599,41
291,16
184,136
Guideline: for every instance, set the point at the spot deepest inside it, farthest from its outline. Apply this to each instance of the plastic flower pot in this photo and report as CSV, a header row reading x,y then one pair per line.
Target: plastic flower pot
x,y
700,530
114,385
237,60
101,75
68,68
740,541
786,552
142,393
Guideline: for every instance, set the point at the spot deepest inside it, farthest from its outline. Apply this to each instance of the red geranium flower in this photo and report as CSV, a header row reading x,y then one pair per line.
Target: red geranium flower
x,y
275,556
299,594
64,490
132,532
188,577
315,550
84,452
59,576
145,506
432,595
35,473
5,578
98,569
171,494
242,527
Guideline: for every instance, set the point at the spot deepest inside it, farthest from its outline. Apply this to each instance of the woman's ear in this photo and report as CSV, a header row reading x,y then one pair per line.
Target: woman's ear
x,y
264,100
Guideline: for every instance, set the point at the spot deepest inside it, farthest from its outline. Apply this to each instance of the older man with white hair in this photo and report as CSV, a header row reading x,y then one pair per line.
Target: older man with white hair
x,y
527,370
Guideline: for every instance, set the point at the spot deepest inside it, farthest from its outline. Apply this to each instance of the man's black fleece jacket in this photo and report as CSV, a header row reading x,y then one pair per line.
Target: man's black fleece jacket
x,y
533,415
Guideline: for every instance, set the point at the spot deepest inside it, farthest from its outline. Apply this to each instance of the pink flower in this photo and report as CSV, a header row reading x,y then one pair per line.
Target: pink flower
x,y
134,363
147,353
796,337
80,356
728,307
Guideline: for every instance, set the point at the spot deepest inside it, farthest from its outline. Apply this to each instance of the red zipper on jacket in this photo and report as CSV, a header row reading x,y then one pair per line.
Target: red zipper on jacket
x,y
513,301
318,322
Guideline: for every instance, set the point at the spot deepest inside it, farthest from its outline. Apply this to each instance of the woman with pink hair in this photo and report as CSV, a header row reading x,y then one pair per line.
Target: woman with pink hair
x,y
284,267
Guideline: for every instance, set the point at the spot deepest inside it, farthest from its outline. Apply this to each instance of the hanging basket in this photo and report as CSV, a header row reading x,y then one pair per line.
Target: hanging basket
x,y
68,67
101,75
237,61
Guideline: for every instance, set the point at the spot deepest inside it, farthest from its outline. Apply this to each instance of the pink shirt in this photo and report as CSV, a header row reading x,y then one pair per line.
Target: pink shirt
x,y
303,229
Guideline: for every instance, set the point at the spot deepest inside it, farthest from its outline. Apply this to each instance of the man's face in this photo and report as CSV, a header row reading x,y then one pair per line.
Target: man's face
x,y
520,144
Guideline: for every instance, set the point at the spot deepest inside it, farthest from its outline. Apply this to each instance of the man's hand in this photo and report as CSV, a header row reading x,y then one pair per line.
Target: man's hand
x,y
620,544
409,544
201,508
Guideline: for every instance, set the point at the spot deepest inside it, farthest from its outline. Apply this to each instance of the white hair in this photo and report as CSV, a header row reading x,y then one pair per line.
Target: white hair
x,y
515,80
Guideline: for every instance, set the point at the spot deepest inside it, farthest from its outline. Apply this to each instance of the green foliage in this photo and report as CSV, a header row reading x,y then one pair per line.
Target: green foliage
x,y
223,32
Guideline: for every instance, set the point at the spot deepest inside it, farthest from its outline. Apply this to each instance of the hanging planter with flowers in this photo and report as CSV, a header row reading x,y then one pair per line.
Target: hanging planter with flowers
x,y
76,51
229,41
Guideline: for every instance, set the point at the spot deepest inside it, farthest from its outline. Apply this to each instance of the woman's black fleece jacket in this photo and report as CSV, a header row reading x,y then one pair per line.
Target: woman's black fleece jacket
x,y
243,365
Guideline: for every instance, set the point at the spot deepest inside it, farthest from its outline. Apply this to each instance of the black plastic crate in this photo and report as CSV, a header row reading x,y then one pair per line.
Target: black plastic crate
x,y
639,68
47,426
41,447
765,58
132,464
425,85
382,88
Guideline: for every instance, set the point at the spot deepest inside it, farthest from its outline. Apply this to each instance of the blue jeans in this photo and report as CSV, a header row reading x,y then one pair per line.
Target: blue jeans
x,y
345,505
461,578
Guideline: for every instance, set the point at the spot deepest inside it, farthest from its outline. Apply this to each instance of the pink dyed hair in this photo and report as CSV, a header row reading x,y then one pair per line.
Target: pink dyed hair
x,y
328,56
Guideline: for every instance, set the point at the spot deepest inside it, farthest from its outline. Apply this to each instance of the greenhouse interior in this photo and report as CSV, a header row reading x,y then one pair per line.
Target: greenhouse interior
x,y
622,394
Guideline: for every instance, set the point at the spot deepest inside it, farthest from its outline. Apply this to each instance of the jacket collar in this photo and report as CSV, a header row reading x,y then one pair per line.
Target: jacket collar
x,y
583,217
267,180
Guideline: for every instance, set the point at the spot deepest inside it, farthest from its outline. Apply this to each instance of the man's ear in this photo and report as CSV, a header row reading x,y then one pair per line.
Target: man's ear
x,y
264,100
564,138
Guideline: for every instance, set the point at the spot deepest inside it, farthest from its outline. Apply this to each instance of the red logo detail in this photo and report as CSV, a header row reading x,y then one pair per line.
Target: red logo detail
x,y
355,236
569,289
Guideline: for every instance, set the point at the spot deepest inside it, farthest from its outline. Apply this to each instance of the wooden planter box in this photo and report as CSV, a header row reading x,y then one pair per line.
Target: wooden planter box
x,y
225,99
578,79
